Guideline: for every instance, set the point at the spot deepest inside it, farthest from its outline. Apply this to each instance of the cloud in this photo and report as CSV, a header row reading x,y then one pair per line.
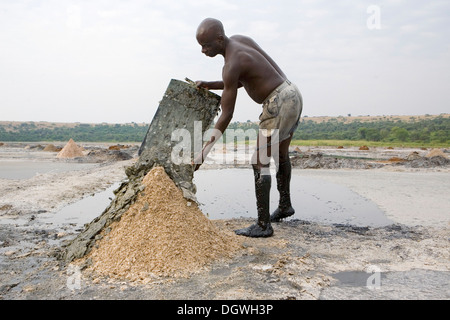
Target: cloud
x,y
117,57
263,29
73,17
109,13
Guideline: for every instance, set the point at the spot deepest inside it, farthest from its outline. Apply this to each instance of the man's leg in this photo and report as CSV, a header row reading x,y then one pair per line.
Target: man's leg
x,y
263,180
284,169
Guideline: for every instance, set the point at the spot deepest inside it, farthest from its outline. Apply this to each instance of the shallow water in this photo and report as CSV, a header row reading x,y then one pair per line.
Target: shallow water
x,y
229,193
82,211
25,169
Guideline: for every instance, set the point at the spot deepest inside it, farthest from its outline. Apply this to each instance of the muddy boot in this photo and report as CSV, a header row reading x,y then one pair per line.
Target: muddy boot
x,y
284,209
262,228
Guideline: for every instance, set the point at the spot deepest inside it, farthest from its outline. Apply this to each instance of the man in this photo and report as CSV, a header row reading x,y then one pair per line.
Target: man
x,y
247,65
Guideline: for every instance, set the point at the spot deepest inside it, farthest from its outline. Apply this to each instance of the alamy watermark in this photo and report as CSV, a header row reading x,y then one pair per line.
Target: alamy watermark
x,y
373,22
74,279
370,278
187,147
374,280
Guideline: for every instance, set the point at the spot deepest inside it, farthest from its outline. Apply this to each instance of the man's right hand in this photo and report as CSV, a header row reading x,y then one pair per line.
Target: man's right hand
x,y
198,161
209,85
202,84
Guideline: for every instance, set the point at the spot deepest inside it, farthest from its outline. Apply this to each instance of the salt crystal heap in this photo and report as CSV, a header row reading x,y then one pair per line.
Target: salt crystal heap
x,y
436,153
70,150
161,234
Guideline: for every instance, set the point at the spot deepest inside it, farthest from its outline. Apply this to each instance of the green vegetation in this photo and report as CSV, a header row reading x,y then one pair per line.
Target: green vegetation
x,y
412,132
359,143
32,132
426,131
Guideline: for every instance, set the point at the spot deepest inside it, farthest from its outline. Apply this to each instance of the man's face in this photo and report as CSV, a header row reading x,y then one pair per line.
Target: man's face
x,y
211,45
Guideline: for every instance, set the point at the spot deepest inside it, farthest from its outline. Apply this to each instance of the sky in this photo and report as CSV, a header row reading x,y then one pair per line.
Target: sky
x,y
111,61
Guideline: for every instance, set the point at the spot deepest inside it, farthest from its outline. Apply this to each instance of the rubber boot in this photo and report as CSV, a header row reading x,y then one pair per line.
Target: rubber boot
x,y
262,228
284,209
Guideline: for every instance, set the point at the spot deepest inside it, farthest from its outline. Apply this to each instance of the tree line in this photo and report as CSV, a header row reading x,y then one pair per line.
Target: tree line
x,y
30,132
418,130
423,130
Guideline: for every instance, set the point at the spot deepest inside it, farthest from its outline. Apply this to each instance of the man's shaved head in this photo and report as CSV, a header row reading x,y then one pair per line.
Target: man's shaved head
x,y
211,27
211,36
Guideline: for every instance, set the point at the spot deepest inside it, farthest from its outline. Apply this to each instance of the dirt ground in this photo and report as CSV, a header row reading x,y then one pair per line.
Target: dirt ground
x,y
409,259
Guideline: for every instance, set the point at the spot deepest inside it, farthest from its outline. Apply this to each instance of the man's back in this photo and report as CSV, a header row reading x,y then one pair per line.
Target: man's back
x,y
258,73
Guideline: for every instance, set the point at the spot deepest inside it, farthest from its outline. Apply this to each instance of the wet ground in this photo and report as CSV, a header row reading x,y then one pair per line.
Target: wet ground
x,y
317,200
357,234
25,169
302,261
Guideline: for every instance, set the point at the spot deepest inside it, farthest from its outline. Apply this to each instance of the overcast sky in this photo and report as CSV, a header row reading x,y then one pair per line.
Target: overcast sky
x,y
111,61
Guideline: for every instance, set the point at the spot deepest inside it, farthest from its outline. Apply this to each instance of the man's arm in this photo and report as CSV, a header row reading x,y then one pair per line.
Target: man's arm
x,y
228,101
210,85
213,85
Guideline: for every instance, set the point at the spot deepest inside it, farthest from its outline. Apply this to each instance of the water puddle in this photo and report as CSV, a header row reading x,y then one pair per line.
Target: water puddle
x,y
13,221
356,278
83,211
229,193
22,169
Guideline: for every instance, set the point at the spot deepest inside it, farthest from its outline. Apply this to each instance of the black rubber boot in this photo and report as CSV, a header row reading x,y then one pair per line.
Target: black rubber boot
x,y
284,209
262,228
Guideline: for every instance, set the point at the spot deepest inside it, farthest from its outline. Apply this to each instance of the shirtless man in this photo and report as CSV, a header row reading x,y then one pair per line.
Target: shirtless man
x,y
247,65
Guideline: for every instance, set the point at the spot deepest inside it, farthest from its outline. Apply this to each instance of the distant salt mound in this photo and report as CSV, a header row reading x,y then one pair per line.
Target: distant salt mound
x,y
413,156
70,150
436,153
51,148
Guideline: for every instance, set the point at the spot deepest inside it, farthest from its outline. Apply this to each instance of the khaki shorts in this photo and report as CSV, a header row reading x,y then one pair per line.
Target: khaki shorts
x,y
281,111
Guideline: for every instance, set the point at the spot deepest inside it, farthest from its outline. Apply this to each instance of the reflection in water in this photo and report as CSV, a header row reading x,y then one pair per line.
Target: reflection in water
x,y
83,211
229,193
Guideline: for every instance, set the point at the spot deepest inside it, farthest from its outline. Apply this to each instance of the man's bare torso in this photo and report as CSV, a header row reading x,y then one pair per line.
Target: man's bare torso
x,y
258,73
